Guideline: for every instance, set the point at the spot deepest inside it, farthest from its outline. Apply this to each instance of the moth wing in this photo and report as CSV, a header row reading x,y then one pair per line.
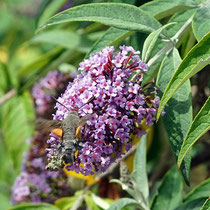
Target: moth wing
x,y
44,125
83,120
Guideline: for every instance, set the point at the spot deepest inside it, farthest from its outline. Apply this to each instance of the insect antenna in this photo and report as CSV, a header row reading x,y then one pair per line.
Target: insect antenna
x,y
76,109
60,103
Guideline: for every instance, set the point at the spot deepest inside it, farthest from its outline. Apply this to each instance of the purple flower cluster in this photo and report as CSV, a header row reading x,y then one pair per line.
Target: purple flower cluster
x,y
114,105
44,90
36,184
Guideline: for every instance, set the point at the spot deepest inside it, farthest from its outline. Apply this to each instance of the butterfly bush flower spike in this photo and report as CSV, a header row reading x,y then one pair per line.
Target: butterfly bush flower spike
x,y
35,184
51,85
114,104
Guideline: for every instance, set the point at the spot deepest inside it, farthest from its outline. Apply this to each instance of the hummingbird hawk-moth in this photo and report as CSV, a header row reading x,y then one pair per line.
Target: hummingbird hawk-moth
x,y
70,142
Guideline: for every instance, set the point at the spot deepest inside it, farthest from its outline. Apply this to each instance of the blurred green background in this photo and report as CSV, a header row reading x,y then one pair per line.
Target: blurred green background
x,y
25,57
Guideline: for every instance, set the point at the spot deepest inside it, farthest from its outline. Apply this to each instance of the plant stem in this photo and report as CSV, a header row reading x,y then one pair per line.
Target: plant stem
x,y
7,96
165,50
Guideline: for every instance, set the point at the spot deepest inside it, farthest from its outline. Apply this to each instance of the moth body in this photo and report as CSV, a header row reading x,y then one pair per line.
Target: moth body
x,y
70,143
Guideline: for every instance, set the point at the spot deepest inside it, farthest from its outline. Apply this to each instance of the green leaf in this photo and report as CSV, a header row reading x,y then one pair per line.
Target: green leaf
x,y
195,60
28,206
201,191
201,23
169,192
114,35
139,171
206,205
4,200
15,114
111,37
38,63
191,205
151,41
90,203
124,187
65,203
161,8
178,111
7,174
198,127
100,202
5,79
66,39
41,9
50,10
122,203
122,16
180,18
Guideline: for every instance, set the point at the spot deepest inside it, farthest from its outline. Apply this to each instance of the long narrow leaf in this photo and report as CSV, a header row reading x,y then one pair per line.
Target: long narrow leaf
x,y
111,37
201,23
192,205
66,39
170,191
119,15
115,35
162,8
150,42
201,191
139,171
199,126
50,10
178,115
194,61
28,206
206,205
122,203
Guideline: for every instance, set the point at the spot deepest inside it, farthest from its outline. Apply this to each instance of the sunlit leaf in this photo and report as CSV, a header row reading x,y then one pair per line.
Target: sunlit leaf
x,y
16,126
28,206
40,62
4,199
100,202
65,202
5,80
66,39
90,203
